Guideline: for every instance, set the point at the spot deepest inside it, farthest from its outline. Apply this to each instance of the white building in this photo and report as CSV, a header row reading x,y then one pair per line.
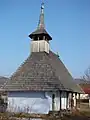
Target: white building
x,y
42,83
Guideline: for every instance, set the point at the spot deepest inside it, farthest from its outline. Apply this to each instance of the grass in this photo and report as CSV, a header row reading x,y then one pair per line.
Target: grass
x,y
82,114
76,115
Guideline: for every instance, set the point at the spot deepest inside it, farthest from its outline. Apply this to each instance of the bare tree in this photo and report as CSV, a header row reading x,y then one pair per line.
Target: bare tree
x,y
86,76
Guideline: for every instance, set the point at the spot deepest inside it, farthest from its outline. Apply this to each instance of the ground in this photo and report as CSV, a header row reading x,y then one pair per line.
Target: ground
x,y
82,114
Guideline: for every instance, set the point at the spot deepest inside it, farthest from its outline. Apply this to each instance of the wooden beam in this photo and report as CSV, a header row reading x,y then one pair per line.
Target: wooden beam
x,y
53,102
60,100
72,101
89,100
67,104
78,100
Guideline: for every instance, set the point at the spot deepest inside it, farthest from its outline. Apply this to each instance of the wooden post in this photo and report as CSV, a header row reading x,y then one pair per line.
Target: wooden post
x,y
72,101
67,104
69,101
75,100
60,100
53,102
89,101
79,100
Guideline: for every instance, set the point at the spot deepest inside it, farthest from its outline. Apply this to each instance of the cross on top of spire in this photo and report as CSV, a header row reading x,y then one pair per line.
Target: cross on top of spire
x,y
40,31
42,6
41,18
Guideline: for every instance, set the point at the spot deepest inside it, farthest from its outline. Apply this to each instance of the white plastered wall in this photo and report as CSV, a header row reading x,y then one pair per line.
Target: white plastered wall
x,y
33,102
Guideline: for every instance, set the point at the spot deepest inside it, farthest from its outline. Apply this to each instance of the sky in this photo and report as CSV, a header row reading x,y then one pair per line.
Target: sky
x,y
67,21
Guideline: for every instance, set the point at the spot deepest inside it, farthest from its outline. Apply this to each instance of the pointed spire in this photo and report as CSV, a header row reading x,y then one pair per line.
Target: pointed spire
x,y
40,31
41,24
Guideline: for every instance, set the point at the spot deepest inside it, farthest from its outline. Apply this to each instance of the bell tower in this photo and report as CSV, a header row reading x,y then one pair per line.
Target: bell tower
x,y
40,38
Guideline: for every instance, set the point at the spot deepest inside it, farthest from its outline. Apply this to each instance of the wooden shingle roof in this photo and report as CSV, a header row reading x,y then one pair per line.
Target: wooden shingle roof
x,y
40,31
41,27
3,80
42,72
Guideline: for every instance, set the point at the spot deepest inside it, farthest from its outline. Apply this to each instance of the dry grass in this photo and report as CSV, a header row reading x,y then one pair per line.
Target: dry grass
x,y
76,115
82,114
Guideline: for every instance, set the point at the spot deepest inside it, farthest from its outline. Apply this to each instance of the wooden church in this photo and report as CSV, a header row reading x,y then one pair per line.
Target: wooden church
x,y
42,83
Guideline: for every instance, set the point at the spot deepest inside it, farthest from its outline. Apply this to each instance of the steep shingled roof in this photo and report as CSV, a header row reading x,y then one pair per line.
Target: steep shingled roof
x,y
40,32
42,72
41,26
3,80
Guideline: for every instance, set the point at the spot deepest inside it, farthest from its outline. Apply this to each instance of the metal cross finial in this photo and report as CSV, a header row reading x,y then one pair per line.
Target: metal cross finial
x,y
42,7
41,19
